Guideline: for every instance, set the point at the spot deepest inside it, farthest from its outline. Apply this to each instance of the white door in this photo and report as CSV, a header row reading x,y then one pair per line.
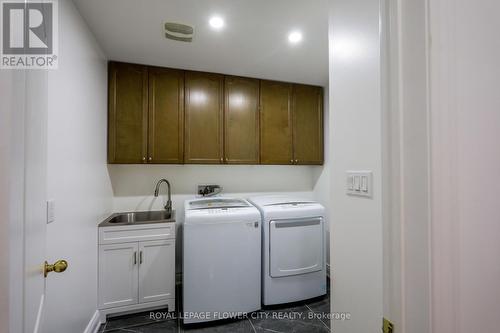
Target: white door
x,y
25,102
27,198
296,246
156,270
35,167
118,275
27,106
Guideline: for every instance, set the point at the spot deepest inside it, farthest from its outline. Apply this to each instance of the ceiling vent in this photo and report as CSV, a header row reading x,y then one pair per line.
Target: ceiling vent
x,y
179,32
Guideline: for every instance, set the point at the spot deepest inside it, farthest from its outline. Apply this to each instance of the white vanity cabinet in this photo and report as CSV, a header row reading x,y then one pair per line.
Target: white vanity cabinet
x,y
136,267
118,275
156,260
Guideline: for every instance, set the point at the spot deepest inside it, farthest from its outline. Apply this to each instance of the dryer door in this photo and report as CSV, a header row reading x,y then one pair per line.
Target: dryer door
x,y
296,246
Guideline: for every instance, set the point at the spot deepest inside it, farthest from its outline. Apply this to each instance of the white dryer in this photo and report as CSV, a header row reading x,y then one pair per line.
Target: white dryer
x,y
221,259
293,249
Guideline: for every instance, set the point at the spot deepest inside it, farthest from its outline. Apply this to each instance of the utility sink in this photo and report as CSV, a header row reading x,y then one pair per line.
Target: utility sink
x,y
160,216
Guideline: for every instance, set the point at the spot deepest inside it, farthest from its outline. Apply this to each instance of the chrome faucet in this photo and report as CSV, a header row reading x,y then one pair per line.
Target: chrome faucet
x,y
168,206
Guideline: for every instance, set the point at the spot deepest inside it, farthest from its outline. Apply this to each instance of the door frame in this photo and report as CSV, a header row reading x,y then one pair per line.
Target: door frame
x,y
407,174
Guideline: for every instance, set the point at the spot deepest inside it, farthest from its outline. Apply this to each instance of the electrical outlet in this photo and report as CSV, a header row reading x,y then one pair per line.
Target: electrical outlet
x,y
209,190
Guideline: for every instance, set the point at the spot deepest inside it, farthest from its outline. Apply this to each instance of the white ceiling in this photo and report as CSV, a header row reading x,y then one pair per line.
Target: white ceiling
x,y
253,43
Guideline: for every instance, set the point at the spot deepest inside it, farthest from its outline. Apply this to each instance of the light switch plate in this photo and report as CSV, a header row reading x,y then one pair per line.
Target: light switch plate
x,y
51,211
359,183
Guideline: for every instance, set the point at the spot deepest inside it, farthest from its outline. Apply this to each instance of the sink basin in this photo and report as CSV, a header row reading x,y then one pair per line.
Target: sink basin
x,y
140,217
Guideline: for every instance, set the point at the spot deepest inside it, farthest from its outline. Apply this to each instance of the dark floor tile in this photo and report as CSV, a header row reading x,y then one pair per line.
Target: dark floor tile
x,y
296,319
223,326
321,307
167,326
293,327
129,320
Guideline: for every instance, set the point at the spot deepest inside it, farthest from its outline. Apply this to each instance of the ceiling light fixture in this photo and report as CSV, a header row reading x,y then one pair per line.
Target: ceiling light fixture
x,y
216,22
294,37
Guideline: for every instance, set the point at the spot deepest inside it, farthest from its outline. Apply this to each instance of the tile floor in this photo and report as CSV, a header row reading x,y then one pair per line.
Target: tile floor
x,y
309,316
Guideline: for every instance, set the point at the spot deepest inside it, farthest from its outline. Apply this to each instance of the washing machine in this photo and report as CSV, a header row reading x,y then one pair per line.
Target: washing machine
x,y
293,249
221,259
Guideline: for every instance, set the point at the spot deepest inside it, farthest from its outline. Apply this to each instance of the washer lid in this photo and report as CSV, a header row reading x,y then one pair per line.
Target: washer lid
x,y
272,200
217,203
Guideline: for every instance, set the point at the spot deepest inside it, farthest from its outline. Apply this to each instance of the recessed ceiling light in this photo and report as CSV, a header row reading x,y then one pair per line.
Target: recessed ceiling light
x,y
294,37
216,22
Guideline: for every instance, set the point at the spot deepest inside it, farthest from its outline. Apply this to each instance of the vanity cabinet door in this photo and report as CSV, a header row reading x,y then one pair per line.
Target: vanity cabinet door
x,y
156,270
275,123
166,116
118,275
203,118
241,120
127,113
307,109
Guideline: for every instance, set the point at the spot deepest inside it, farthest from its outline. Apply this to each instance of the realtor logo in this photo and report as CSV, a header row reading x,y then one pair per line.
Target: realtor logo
x,y
29,34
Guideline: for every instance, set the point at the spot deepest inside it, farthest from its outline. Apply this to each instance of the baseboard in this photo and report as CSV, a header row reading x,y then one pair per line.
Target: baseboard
x,y
94,323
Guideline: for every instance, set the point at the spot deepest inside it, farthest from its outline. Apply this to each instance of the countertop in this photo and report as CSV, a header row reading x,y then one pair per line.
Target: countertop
x,y
107,223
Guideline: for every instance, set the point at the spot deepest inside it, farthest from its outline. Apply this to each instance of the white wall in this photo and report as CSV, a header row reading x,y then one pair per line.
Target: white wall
x,y
78,178
355,124
465,132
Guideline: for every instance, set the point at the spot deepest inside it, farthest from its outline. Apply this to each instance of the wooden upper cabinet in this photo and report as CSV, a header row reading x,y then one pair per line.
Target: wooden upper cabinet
x,y
203,118
128,113
161,115
241,120
275,123
307,117
166,116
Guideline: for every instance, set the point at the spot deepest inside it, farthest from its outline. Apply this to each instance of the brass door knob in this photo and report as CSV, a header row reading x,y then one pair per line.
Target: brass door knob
x,y
58,267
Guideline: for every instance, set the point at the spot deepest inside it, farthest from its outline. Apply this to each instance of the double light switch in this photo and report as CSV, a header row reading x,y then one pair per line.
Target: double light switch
x,y
359,183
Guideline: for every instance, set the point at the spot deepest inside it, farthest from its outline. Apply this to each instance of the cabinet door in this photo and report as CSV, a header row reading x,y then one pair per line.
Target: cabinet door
x,y
203,116
118,275
157,270
128,113
166,116
307,124
275,123
241,120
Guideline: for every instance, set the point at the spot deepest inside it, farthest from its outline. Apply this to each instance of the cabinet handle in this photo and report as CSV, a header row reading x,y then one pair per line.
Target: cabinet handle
x,y
135,257
150,158
221,160
144,158
140,257
296,161
291,161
